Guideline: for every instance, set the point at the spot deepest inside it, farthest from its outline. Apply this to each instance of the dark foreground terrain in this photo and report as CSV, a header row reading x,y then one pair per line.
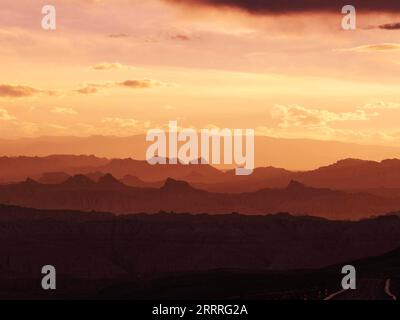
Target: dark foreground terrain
x,y
99,255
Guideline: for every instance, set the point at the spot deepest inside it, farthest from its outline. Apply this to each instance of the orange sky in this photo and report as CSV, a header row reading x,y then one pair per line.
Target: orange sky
x,y
121,67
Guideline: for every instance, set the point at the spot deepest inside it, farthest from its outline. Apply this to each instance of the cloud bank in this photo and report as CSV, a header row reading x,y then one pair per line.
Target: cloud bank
x,y
293,6
390,26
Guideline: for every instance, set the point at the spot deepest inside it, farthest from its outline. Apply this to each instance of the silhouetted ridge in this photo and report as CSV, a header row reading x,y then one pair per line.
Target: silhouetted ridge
x,y
390,162
295,185
130,179
350,162
30,182
109,181
53,177
79,180
175,185
94,176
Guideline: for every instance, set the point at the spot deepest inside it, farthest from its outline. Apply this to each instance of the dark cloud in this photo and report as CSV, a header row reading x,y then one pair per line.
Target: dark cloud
x,y
390,26
297,6
10,91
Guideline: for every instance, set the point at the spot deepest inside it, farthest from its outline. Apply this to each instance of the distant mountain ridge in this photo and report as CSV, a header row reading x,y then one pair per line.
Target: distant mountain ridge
x,y
350,175
14,169
109,194
21,167
379,178
293,154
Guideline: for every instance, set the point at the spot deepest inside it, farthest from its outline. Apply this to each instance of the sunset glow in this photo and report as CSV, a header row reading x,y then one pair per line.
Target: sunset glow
x,y
122,67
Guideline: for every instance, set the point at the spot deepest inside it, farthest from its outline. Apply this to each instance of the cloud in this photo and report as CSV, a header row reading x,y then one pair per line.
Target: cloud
x,y
180,37
94,88
65,111
108,66
89,89
293,6
124,126
121,122
379,47
380,105
369,137
11,91
390,26
118,35
298,116
138,84
5,116
294,121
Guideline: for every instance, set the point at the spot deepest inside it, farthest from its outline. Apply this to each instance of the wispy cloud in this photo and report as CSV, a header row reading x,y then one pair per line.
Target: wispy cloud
x,y
381,105
64,111
108,66
94,88
118,125
138,84
378,47
89,89
118,35
390,26
12,91
299,116
279,6
5,115
294,121
121,122
180,37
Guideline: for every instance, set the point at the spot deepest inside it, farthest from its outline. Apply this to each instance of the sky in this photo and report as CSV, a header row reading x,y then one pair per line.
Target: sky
x,y
284,68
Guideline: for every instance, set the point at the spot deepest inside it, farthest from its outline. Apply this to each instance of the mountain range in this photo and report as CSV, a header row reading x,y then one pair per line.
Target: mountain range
x,y
292,154
111,195
350,175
